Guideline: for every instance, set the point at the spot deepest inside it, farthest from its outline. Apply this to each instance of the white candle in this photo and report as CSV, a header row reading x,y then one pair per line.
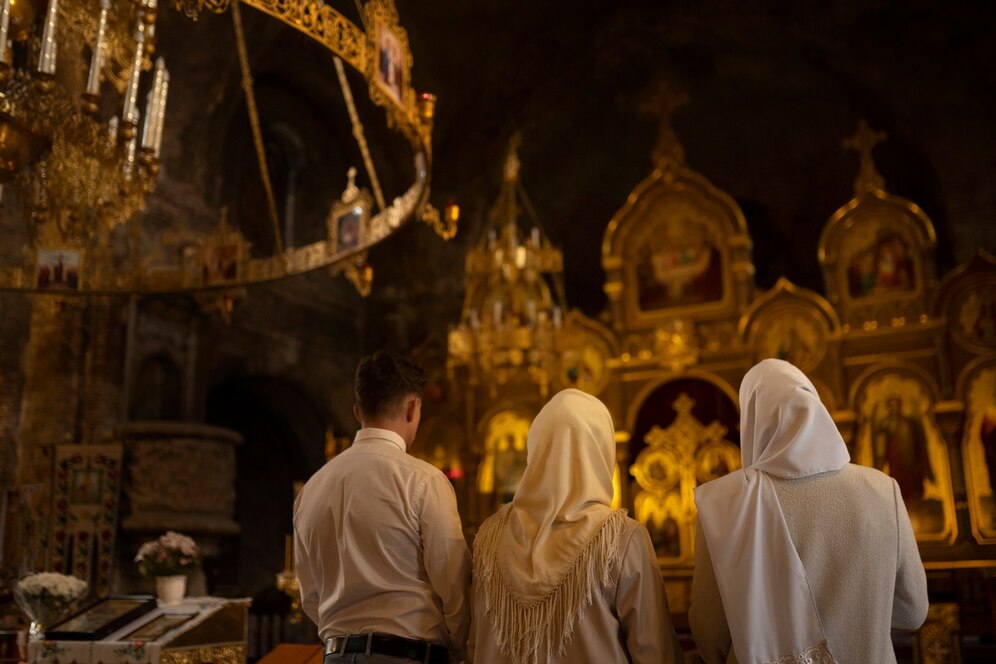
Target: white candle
x,y
129,114
161,112
556,317
46,60
4,27
152,102
112,130
148,126
128,165
97,60
536,236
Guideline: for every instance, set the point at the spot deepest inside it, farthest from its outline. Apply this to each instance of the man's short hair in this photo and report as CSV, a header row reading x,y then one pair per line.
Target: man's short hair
x,y
383,380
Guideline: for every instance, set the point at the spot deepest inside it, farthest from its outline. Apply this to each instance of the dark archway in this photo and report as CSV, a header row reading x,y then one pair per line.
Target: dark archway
x,y
284,441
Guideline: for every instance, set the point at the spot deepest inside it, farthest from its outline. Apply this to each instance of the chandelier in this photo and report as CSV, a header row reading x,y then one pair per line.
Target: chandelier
x,y
512,321
78,140
82,111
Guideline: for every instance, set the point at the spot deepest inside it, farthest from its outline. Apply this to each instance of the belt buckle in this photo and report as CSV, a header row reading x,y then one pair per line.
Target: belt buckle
x,y
335,645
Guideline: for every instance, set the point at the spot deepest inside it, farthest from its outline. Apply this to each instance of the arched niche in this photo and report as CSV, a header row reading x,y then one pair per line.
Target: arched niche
x,y
897,432
685,433
877,255
679,247
977,391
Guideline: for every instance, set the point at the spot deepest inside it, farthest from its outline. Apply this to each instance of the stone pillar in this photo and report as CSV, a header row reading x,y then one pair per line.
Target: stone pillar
x,y
50,403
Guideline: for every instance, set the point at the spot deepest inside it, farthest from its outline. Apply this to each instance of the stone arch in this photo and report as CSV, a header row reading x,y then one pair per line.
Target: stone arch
x,y
284,442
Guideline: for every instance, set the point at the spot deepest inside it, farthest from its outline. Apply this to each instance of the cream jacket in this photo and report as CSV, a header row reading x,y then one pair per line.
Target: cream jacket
x,y
856,543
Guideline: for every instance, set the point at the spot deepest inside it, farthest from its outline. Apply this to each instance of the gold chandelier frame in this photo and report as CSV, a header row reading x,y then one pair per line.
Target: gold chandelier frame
x,y
410,114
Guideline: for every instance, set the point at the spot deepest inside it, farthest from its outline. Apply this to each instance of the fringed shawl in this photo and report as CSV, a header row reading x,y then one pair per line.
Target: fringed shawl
x,y
535,631
542,558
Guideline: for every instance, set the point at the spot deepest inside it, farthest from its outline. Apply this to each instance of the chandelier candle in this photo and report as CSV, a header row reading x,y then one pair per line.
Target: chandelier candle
x,y
152,102
46,60
129,115
97,60
4,29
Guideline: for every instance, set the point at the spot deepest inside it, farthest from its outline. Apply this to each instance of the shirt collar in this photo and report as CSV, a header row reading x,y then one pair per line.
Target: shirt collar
x,y
371,434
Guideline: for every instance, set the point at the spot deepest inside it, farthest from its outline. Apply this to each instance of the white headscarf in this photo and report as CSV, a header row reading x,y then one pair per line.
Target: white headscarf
x,y
785,432
541,558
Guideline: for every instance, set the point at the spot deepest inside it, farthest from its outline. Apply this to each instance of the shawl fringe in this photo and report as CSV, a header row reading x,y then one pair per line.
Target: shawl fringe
x,y
536,631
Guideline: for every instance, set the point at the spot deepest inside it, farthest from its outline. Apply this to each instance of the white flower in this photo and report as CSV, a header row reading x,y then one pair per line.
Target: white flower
x,y
53,583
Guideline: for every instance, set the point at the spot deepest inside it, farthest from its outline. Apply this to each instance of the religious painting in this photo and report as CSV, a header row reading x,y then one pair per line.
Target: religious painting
x,y
979,452
793,337
347,220
220,264
58,269
879,261
678,265
976,316
389,73
504,458
100,619
585,351
87,485
223,254
898,435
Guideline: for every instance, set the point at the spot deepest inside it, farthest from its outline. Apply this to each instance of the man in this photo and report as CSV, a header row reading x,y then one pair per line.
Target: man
x,y
381,560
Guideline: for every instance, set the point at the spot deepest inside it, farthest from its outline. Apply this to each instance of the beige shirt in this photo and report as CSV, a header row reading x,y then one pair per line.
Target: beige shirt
x,y
379,546
856,543
629,622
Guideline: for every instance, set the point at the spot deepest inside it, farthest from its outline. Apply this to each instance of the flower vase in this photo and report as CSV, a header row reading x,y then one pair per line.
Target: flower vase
x,y
171,589
44,610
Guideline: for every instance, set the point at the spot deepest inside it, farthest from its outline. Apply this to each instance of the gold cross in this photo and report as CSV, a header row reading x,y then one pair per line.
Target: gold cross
x,y
663,102
863,142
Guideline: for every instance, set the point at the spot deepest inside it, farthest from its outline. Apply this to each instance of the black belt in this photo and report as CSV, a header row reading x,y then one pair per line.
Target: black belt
x,y
385,644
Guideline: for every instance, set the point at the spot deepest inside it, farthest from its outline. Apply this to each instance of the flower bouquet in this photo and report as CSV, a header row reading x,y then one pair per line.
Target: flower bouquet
x,y
168,559
47,598
170,555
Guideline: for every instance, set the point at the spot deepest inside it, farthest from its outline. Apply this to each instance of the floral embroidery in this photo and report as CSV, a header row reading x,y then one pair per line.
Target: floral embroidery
x,y
818,654
134,650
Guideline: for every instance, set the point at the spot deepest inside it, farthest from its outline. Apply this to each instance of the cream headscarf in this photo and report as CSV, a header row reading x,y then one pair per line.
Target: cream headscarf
x,y
540,559
785,432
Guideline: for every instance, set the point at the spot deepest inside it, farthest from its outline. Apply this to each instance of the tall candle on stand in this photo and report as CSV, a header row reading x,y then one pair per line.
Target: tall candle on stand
x,y
46,59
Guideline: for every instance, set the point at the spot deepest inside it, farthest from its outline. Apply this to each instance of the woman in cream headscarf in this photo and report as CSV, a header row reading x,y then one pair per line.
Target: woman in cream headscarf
x,y
559,575
800,556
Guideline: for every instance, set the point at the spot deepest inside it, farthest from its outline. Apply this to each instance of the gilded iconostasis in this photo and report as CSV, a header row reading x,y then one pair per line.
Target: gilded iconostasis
x,y
640,201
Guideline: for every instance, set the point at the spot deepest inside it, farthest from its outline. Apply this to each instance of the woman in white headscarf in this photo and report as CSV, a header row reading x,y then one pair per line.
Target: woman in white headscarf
x,y
559,576
801,556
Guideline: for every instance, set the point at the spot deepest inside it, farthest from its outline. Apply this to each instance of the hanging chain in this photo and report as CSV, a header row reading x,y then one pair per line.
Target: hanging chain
x,y
257,134
361,140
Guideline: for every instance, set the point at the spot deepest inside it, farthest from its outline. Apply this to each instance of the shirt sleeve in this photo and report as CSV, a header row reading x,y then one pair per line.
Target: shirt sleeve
x,y
305,578
706,615
909,606
641,603
447,559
